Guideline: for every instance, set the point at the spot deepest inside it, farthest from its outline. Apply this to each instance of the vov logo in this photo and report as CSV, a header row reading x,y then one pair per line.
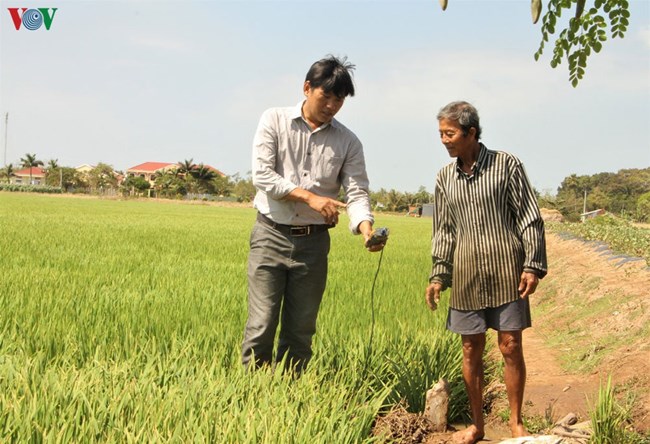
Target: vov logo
x,y
32,19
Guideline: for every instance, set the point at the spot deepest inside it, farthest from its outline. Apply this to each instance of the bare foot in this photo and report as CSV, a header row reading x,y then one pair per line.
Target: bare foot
x,y
470,435
518,430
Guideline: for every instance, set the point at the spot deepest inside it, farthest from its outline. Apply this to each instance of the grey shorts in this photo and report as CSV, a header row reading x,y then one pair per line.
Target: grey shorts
x,y
513,316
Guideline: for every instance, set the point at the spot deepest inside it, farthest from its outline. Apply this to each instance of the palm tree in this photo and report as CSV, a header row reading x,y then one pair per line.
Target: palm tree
x,y
204,176
185,167
30,161
8,172
53,164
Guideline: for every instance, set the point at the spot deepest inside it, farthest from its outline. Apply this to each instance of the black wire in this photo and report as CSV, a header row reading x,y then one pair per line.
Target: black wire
x,y
372,316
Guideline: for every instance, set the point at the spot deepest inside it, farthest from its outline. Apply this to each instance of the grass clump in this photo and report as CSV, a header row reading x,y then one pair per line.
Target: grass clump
x,y
610,421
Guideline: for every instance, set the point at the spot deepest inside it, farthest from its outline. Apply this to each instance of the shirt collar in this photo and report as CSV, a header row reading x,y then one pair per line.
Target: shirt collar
x,y
297,114
478,165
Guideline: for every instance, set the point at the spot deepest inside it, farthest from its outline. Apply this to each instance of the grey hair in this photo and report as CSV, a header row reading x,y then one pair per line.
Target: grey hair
x,y
464,113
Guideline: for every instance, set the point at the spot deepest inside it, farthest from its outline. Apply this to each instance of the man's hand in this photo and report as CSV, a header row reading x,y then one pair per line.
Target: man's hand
x,y
527,284
432,295
365,228
327,207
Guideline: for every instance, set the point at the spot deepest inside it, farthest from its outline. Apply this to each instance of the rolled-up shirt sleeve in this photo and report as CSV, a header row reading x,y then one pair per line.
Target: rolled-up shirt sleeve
x,y
265,151
354,180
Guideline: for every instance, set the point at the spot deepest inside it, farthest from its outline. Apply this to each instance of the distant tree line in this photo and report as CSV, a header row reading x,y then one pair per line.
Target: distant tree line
x,y
397,201
188,178
625,193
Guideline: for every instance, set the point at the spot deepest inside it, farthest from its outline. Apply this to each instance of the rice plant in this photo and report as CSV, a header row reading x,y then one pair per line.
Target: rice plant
x,y
121,321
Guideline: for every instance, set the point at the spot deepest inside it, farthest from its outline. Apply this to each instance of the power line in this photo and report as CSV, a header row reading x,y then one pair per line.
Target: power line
x,y
6,126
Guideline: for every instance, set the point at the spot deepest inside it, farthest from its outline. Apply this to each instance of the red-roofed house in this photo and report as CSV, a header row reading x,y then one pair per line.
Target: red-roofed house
x,y
148,170
37,176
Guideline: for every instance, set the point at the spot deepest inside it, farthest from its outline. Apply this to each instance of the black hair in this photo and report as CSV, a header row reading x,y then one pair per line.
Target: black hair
x,y
332,74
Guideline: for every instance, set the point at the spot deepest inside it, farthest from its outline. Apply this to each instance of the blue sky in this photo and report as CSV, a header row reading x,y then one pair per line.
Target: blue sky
x,y
125,82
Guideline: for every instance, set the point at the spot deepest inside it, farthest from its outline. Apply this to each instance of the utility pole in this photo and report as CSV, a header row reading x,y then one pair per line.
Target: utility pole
x,y
6,125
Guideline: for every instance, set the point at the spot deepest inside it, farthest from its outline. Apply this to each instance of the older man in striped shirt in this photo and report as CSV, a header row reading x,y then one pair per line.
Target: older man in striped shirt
x,y
489,247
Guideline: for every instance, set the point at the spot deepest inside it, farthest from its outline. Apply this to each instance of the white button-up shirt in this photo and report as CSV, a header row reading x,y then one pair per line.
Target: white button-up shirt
x,y
288,154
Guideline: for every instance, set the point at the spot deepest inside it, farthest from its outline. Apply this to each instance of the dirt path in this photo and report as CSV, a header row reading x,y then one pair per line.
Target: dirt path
x,y
550,390
594,307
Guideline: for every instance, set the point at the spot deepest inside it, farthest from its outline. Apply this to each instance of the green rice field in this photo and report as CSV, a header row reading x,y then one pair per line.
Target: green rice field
x,y
121,321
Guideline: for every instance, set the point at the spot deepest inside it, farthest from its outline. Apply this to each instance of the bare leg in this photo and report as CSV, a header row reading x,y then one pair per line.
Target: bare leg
x,y
473,346
510,344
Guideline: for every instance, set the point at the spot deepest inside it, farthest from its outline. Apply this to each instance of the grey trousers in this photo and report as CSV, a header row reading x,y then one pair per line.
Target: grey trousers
x,y
286,281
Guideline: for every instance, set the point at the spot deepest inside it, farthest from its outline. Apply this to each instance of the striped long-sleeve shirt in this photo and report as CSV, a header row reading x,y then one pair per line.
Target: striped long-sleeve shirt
x,y
487,230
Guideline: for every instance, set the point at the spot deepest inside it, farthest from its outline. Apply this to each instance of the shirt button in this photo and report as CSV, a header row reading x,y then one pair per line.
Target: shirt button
x,y
304,174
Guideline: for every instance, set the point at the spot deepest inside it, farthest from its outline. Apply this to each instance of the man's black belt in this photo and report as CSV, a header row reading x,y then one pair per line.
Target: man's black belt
x,y
293,230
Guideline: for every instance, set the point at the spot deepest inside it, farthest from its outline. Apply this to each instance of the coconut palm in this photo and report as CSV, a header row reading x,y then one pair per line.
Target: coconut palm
x,y
186,167
30,161
204,176
7,172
